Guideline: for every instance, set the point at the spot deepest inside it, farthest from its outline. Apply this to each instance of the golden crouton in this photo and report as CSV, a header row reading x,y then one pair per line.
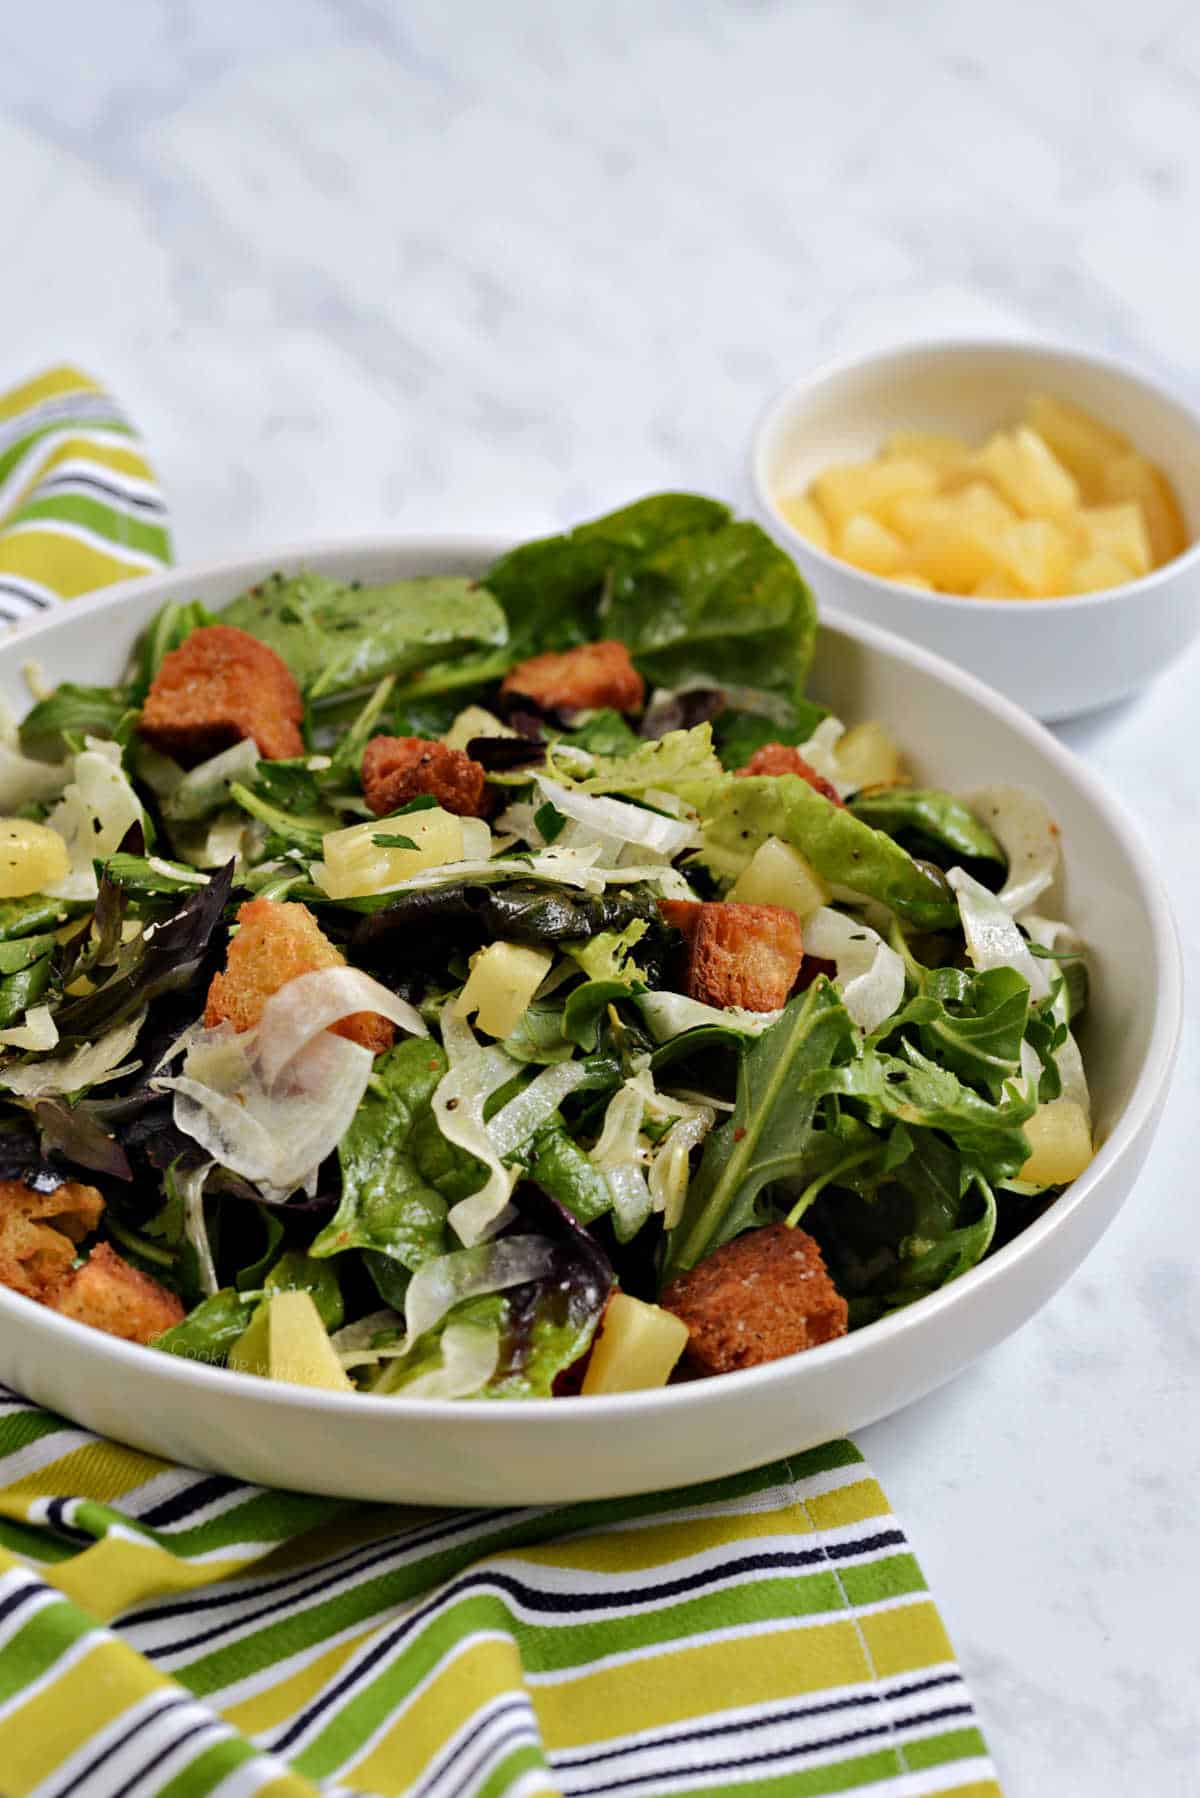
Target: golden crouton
x,y
764,1295
276,941
39,1231
575,680
781,758
397,769
112,1296
747,955
219,686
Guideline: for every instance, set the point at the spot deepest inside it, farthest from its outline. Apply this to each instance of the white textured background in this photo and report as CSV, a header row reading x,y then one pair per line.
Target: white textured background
x,y
355,266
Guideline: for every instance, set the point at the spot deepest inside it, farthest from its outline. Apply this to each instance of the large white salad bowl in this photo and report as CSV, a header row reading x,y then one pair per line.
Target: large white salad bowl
x,y
958,733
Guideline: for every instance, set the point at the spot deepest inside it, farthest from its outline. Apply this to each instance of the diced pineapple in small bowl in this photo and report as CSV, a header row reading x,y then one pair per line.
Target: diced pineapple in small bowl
x,y
929,488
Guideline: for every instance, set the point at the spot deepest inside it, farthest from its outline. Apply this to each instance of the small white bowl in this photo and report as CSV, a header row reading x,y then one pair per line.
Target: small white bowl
x,y
429,1451
1057,657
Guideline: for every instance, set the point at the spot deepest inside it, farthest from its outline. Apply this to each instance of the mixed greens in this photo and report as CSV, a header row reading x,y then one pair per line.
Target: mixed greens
x,y
558,1115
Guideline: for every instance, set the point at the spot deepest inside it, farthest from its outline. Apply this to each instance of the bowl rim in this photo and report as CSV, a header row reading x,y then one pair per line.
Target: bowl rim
x,y
772,417
888,1332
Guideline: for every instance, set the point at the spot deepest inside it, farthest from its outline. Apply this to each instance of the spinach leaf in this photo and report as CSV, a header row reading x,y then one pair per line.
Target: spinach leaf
x,y
519,911
335,637
930,815
398,1178
540,1037
552,590
738,734
570,1176
740,812
52,727
605,733
766,1137
728,602
297,1272
209,1331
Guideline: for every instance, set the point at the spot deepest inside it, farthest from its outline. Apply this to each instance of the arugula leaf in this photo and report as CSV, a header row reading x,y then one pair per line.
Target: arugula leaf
x,y
972,1023
170,627
562,1168
152,876
56,725
931,816
335,637
287,829
27,985
739,812
586,1006
27,917
766,1138
398,1179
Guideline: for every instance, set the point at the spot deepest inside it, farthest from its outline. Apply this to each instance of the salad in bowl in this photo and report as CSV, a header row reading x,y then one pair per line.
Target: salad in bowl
x,y
514,987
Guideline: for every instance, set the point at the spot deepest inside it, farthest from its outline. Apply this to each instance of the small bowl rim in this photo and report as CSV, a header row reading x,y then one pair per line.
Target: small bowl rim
x,y
1051,349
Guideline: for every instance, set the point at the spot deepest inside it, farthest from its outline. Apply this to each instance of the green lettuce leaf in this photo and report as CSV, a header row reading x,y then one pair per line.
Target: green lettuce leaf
x,y
925,816
738,813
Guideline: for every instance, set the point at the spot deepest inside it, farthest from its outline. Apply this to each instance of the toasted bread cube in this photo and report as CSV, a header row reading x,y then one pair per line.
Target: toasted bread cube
x,y
1132,477
745,955
39,1232
220,686
764,1295
397,769
110,1295
277,940
868,486
866,543
806,519
1027,472
1120,529
1060,1143
594,675
1038,554
1081,443
784,758
1096,571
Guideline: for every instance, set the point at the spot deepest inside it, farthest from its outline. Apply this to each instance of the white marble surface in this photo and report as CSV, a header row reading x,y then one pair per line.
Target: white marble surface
x,y
356,266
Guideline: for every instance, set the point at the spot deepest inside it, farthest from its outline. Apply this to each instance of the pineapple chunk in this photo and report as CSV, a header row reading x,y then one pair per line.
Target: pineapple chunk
x,y
286,1340
866,543
979,505
503,979
868,756
950,456
910,513
953,554
474,721
905,577
637,1347
1097,570
853,487
1131,477
806,519
1121,530
1037,553
1082,444
1028,473
32,856
777,874
356,864
998,585
1061,1143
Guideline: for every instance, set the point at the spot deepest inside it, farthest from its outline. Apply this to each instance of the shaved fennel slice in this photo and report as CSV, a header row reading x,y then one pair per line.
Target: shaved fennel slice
x,y
96,809
1021,823
358,1345
37,1031
617,820
870,974
1052,934
820,752
206,786
440,1284
22,780
90,1065
190,1187
312,1002
458,1101
273,1135
669,1175
516,1122
670,1014
470,1356
993,941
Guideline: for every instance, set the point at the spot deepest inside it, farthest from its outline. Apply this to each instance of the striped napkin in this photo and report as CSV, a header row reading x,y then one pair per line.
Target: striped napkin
x,y
166,1633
